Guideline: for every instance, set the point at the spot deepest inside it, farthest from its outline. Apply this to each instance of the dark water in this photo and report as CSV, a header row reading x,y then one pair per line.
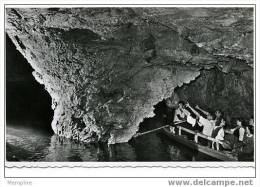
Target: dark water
x,y
32,144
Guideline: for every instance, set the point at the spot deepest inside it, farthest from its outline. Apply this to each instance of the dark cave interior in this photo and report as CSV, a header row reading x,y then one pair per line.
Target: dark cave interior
x,y
27,102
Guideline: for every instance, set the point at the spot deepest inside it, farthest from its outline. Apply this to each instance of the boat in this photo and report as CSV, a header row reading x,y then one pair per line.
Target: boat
x,y
196,146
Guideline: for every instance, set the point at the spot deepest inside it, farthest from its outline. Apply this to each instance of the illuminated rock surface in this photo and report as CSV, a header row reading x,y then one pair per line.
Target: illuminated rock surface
x,y
105,69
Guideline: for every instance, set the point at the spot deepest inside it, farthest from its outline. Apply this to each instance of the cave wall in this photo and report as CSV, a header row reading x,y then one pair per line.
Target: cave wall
x,y
105,68
232,93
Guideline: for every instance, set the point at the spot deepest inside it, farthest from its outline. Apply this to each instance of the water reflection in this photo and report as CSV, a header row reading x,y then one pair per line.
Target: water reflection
x,y
61,149
26,144
121,152
175,154
30,144
151,148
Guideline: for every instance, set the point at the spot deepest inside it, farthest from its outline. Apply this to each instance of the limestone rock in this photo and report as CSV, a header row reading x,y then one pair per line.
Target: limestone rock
x,y
105,68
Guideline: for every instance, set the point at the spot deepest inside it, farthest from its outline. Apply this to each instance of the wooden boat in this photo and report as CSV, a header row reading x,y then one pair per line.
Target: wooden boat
x,y
194,144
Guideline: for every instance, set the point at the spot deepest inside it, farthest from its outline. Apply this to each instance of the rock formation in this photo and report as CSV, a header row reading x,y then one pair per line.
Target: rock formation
x,y
232,93
105,68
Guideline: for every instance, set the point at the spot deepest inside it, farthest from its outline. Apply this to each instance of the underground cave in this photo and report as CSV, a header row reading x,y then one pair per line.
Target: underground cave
x,y
101,75
27,102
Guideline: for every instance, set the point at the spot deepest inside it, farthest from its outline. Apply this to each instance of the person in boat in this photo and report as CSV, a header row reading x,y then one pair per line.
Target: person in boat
x,y
180,114
246,153
237,136
249,131
251,124
251,121
239,130
219,133
218,114
207,123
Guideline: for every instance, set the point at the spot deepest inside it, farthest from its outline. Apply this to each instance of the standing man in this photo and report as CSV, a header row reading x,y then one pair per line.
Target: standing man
x,y
218,114
180,114
208,123
239,130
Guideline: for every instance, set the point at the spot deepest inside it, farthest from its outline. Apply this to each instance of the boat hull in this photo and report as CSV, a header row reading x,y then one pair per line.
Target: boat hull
x,y
197,147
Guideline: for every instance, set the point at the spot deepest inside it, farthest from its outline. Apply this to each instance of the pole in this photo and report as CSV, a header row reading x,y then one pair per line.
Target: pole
x,y
153,130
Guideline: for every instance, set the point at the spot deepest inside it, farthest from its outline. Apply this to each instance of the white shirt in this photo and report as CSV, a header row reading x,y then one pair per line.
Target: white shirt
x,y
220,135
241,134
180,112
208,125
191,121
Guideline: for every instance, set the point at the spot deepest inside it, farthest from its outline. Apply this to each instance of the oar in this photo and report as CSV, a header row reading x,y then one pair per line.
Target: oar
x,y
153,130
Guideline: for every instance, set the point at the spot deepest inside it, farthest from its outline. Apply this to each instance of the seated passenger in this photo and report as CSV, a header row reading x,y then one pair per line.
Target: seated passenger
x,y
218,116
218,132
207,123
180,115
251,125
239,130
235,137
246,153
249,132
